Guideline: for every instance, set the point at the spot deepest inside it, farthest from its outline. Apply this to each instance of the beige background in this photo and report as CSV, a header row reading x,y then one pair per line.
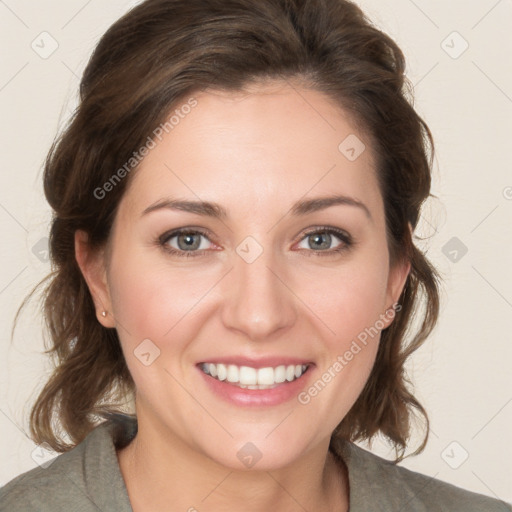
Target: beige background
x,y
462,375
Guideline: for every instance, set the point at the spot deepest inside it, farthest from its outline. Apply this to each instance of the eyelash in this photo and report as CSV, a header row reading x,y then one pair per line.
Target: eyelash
x,y
345,238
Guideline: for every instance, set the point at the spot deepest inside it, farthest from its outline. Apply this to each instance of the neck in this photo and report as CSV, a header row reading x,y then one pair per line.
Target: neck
x,y
161,472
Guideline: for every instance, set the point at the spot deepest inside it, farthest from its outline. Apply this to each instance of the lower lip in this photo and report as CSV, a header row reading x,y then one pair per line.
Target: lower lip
x,y
257,397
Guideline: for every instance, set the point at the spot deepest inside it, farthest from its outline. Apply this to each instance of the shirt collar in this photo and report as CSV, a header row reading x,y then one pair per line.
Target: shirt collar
x,y
367,479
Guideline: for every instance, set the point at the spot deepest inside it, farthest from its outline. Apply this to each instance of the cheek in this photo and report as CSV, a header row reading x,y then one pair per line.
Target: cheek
x,y
150,298
350,303
152,301
350,298
153,308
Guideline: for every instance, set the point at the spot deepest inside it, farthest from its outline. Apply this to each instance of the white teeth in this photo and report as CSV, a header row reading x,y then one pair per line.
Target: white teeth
x,y
290,373
254,378
248,376
222,372
266,376
233,373
280,374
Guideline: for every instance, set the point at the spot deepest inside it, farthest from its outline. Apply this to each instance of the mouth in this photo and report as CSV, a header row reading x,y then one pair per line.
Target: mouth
x,y
248,377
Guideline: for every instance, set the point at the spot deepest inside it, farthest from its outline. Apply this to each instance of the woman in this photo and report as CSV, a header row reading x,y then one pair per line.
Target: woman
x,y
234,204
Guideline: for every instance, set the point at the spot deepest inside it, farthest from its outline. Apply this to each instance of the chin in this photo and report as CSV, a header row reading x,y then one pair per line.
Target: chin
x,y
256,450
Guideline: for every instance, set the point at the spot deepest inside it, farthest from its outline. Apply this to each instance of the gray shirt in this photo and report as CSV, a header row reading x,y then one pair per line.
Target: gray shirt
x,y
88,479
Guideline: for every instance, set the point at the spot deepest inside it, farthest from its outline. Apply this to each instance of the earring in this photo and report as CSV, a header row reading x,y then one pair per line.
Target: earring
x,y
103,313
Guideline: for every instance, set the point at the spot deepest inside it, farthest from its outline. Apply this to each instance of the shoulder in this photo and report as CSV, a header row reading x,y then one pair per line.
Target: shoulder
x,y
76,480
376,483
49,487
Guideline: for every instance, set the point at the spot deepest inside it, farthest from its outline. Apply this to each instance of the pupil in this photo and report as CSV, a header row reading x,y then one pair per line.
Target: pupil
x,y
318,239
189,241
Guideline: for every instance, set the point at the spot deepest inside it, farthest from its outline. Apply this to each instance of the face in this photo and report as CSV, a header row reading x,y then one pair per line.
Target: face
x,y
263,283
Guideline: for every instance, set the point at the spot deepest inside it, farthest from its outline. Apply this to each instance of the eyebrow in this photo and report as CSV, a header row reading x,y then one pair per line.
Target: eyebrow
x,y
214,210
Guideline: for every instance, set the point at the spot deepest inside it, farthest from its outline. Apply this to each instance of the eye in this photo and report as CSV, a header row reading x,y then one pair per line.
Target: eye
x,y
321,239
187,242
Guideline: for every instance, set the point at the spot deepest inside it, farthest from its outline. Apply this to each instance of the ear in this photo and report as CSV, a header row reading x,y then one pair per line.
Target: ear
x,y
92,266
396,282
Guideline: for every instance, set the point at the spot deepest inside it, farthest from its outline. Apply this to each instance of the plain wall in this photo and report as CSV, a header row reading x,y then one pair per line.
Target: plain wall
x,y
462,374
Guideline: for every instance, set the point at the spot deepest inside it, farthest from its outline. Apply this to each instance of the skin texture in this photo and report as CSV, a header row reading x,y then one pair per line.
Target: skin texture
x,y
255,153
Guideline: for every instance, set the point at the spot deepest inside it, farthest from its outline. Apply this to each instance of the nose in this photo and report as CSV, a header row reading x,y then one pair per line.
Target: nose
x,y
258,301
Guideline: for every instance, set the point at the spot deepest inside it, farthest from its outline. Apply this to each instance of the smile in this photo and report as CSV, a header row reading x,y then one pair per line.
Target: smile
x,y
254,378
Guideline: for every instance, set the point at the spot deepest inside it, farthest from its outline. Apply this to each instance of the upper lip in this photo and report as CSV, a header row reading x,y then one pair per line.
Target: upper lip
x,y
261,362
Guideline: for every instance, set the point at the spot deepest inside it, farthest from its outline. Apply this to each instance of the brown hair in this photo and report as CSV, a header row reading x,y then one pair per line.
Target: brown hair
x,y
154,56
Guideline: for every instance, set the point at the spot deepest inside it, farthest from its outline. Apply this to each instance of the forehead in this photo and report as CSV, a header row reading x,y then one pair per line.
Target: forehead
x,y
266,146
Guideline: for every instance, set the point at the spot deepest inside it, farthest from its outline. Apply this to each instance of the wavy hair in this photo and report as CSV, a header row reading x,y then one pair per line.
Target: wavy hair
x,y
148,61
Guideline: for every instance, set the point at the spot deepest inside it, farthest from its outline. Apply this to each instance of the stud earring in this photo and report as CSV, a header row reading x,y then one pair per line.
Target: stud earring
x,y
103,313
